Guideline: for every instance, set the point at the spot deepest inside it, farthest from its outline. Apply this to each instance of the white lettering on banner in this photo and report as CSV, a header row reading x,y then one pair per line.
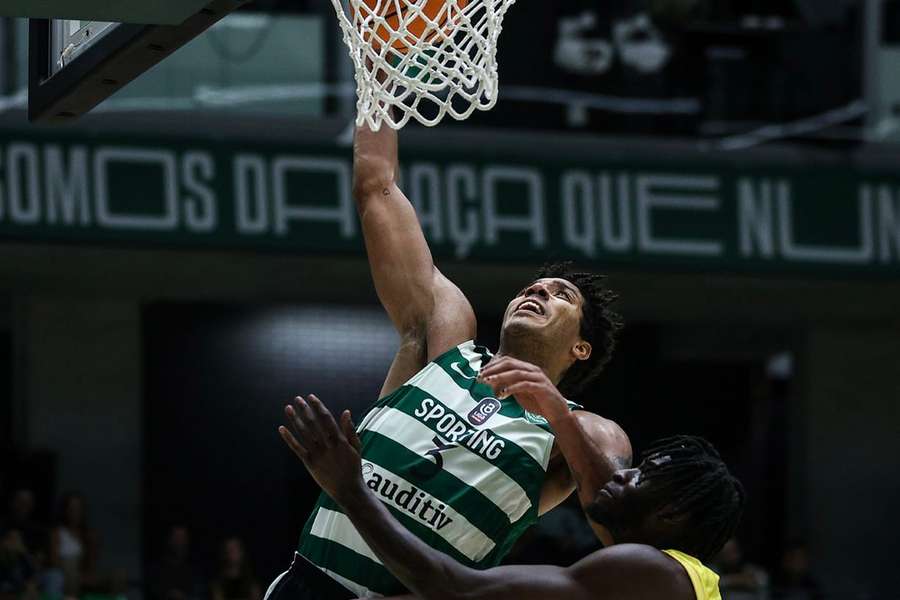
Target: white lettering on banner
x,y
584,205
66,184
343,213
201,209
22,167
755,216
164,160
579,221
531,222
424,185
462,184
624,240
826,254
656,191
251,207
888,219
461,206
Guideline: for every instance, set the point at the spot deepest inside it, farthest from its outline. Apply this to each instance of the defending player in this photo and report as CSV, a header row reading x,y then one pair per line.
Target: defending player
x,y
466,464
666,517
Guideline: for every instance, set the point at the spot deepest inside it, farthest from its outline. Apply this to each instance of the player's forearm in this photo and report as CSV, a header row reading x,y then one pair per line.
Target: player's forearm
x,y
400,260
375,160
429,574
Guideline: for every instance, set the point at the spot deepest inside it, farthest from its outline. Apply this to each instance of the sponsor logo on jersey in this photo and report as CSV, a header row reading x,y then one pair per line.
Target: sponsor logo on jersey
x,y
485,410
424,507
458,368
536,419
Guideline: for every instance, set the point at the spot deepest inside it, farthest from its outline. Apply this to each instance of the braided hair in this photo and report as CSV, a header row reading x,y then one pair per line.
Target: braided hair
x,y
599,324
690,475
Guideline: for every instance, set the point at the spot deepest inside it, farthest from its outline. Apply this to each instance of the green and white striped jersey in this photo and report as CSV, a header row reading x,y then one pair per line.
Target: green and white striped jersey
x,y
459,468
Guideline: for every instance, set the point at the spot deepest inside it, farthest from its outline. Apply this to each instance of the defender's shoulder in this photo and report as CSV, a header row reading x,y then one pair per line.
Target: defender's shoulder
x,y
640,571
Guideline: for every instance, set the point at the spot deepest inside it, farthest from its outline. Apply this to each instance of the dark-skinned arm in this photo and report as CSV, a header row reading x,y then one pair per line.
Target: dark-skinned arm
x,y
331,454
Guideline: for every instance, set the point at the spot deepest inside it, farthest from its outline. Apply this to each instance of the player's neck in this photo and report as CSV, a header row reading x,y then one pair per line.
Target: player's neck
x,y
533,354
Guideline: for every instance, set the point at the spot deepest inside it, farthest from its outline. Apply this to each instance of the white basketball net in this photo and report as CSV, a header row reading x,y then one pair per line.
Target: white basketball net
x,y
412,65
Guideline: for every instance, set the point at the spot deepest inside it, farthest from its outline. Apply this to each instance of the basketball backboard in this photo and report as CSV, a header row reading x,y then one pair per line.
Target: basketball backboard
x,y
157,12
77,63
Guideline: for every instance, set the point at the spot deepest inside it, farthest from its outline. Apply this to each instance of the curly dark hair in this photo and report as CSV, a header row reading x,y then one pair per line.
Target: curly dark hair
x,y
599,324
694,481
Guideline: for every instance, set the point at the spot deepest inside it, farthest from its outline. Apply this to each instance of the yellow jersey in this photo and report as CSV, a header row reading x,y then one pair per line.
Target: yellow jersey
x,y
705,581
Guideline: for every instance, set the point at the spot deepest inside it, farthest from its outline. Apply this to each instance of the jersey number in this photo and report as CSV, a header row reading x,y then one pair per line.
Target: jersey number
x,y
426,471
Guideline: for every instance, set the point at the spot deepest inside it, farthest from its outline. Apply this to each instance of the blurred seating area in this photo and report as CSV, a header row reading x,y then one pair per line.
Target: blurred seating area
x,y
59,559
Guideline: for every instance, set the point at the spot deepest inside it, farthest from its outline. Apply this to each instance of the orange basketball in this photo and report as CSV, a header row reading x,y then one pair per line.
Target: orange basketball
x,y
408,21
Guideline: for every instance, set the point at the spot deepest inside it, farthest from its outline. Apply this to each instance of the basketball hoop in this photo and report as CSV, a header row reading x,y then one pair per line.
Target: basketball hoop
x,y
422,59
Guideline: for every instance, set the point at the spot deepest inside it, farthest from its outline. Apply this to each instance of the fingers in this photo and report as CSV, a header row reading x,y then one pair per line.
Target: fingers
x,y
349,430
521,388
324,421
502,382
505,363
300,419
313,424
292,443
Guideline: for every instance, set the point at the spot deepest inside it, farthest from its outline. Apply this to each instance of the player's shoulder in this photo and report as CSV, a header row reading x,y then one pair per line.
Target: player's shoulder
x,y
609,434
638,571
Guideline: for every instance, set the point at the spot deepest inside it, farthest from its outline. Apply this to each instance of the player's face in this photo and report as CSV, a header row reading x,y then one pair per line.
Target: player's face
x,y
625,504
552,306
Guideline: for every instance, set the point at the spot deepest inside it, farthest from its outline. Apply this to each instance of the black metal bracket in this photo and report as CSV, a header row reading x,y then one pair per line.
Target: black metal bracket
x,y
108,65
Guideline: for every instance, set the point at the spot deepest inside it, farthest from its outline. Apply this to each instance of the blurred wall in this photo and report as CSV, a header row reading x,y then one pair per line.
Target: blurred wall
x,y
852,451
81,377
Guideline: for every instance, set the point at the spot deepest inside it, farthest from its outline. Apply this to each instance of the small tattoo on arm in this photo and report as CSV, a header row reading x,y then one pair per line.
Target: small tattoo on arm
x,y
386,192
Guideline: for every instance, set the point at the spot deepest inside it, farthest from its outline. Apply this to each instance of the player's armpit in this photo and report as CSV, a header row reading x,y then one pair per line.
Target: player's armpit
x,y
411,356
452,320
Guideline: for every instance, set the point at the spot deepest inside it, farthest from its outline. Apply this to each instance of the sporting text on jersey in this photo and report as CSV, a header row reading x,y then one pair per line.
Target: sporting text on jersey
x,y
454,428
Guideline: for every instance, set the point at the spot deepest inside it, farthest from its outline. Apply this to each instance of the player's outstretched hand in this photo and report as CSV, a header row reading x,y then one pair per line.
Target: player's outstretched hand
x,y
529,384
330,452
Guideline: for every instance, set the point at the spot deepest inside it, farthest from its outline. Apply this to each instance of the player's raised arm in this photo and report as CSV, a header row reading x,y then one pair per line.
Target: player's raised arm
x,y
430,313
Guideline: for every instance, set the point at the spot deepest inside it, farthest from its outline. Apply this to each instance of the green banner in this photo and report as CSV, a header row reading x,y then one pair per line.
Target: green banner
x,y
647,215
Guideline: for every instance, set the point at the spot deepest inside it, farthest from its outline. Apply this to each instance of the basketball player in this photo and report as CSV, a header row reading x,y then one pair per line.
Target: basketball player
x,y
456,446
666,517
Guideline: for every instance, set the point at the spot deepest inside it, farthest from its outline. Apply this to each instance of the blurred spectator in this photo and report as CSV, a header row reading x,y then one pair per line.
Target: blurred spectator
x,y
21,518
235,579
174,577
738,579
73,545
18,579
795,580
36,539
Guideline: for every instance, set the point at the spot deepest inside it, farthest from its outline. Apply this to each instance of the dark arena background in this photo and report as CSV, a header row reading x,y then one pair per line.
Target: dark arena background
x,y
179,263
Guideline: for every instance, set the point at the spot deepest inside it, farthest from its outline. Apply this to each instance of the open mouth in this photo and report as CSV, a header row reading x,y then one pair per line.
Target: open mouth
x,y
531,306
